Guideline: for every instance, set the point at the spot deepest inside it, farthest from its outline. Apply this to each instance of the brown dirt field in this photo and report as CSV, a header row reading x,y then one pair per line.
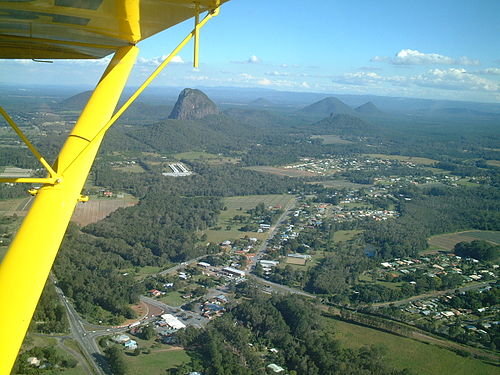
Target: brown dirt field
x,y
297,261
97,209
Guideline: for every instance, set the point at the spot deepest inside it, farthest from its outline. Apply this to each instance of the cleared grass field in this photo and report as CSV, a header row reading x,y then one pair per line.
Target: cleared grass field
x,y
97,209
449,240
330,139
494,163
135,168
345,235
413,159
288,172
340,184
18,206
420,358
205,157
156,362
173,299
238,206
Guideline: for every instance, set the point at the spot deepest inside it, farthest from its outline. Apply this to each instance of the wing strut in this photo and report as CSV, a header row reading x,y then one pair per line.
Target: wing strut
x,y
26,266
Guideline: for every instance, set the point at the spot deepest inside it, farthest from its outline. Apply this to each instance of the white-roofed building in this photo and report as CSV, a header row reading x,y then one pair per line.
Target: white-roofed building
x,y
172,321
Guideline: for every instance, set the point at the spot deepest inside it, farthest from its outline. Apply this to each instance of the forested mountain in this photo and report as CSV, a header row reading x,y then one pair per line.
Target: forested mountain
x,y
326,107
368,109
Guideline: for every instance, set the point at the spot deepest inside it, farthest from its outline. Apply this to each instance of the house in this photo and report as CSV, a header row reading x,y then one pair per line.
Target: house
x,y
221,298
275,368
120,339
155,292
130,344
33,361
204,264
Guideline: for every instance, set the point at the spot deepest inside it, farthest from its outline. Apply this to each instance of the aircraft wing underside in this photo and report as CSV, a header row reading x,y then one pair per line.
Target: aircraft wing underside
x,y
86,29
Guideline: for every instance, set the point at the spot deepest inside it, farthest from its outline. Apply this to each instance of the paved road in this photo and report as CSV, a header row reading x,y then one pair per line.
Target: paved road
x,y
86,342
272,232
280,287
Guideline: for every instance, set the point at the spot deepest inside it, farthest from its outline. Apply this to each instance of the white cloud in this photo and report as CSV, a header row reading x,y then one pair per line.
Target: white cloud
x,y
265,82
489,71
414,57
246,76
251,60
454,79
277,73
155,61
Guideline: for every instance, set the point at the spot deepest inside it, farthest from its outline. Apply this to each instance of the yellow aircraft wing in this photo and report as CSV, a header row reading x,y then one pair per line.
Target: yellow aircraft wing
x,y
83,29
72,29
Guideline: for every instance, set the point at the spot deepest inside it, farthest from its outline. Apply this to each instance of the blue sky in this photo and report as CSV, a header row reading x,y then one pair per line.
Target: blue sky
x,y
431,49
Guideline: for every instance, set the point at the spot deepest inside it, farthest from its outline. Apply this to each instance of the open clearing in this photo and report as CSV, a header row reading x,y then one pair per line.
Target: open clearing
x,y
238,206
494,163
97,209
412,159
340,184
17,206
205,157
16,172
449,240
330,139
156,362
402,352
345,235
282,171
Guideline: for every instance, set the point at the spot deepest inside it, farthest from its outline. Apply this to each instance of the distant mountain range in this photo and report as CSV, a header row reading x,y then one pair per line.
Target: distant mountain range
x,y
326,107
334,106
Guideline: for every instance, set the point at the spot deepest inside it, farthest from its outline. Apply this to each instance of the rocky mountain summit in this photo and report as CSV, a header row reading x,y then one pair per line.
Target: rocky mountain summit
x,y
193,104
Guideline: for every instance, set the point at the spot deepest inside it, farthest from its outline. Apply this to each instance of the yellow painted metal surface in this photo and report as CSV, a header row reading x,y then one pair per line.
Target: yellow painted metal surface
x,y
77,29
26,265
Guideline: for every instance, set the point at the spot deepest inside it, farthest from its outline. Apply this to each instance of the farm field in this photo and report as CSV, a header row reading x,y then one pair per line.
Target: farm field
x,y
494,163
97,209
449,240
238,206
134,168
413,159
288,172
206,157
18,206
340,184
16,172
402,352
330,139
345,235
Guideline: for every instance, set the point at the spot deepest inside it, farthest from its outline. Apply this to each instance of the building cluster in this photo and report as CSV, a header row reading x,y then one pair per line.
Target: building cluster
x,y
125,340
440,265
178,170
